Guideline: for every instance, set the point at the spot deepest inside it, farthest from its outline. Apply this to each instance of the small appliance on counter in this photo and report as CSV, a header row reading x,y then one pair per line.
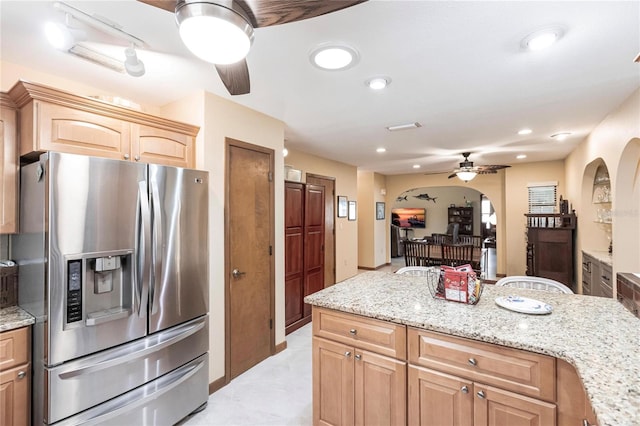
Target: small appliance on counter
x,y
8,283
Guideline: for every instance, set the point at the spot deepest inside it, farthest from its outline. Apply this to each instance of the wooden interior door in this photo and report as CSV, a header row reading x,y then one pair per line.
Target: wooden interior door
x,y
313,242
293,252
329,184
249,235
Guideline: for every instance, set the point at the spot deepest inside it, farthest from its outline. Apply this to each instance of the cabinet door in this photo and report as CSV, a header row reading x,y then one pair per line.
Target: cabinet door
x,y
573,404
158,146
437,399
333,381
496,407
8,172
15,396
380,390
63,129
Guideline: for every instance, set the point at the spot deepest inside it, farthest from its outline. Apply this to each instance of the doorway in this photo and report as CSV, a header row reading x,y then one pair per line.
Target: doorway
x,y
249,260
329,184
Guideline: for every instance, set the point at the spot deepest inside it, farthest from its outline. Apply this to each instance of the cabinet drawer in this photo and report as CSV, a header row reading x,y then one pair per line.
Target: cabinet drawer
x,y
377,336
523,372
605,280
14,347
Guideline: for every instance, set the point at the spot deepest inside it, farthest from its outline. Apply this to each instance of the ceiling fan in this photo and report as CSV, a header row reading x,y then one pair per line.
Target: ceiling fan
x,y
197,21
468,171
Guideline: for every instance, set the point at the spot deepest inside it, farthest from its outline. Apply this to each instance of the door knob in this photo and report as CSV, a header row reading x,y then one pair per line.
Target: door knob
x,y
236,273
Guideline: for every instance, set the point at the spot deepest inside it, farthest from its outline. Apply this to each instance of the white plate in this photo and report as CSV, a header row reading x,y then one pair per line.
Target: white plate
x,y
524,305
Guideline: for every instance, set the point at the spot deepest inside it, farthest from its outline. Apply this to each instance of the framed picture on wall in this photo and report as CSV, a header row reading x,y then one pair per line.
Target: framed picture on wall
x,y
352,210
342,206
379,211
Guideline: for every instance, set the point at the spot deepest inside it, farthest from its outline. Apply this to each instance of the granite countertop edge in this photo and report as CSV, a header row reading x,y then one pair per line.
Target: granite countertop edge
x,y
608,367
13,317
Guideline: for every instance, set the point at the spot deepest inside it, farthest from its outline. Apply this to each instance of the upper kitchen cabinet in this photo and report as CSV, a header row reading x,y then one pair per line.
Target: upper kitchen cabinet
x,y
53,120
8,167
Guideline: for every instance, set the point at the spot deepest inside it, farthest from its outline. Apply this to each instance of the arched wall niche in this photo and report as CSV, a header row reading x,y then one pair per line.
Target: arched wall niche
x,y
625,186
593,235
492,186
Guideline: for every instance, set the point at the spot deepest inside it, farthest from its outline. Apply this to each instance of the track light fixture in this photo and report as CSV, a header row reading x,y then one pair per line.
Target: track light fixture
x,y
214,33
133,65
62,36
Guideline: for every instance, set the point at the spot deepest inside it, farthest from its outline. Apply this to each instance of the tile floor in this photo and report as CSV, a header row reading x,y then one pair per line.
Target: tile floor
x,y
275,392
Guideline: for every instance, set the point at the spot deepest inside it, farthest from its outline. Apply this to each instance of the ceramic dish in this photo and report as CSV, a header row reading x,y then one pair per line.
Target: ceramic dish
x,y
524,305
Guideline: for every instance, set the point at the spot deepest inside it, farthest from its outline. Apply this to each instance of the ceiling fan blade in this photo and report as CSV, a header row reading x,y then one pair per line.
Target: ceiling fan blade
x,y
235,77
168,5
276,12
492,167
452,175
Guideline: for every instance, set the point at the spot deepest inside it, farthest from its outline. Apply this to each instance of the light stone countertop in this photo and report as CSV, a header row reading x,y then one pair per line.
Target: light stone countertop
x,y
14,317
596,335
600,255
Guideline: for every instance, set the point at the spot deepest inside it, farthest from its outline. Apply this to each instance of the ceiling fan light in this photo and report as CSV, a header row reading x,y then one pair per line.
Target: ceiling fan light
x,y
214,33
466,175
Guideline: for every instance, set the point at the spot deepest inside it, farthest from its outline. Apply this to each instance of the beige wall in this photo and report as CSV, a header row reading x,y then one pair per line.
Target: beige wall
x,y
616,142
517,202
372,233
491,185
347,185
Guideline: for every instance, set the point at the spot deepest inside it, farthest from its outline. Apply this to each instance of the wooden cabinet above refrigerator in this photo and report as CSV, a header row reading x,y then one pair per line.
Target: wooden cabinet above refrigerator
x,y
53,120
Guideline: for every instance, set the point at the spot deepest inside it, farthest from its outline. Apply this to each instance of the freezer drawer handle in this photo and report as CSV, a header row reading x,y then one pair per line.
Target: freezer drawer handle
x,y
120,358
106,316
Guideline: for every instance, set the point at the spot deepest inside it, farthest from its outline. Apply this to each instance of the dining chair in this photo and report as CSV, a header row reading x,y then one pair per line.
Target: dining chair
x,y
457,254
417,271
533,283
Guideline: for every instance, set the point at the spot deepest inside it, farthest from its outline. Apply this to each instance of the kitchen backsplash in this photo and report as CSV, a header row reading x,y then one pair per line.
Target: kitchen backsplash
x,y
4,246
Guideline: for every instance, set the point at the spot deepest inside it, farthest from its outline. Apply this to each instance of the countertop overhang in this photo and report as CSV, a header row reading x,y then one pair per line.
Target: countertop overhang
x,y
13,317
596,335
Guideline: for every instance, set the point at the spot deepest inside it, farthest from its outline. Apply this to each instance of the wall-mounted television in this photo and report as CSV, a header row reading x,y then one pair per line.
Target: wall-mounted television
x,y
408,217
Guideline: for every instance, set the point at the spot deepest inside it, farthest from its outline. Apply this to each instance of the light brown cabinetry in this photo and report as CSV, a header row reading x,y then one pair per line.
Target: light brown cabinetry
x,y
304,250
15,377
8,167
500,385
53,120
359,371
574,407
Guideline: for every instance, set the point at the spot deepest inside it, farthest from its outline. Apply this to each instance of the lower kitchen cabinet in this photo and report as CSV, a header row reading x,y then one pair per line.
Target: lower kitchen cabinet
x,y
15,377
497,407
359,370
574,407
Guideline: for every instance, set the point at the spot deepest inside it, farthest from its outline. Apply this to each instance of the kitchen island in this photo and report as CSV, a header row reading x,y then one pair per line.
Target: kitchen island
x,y
597,336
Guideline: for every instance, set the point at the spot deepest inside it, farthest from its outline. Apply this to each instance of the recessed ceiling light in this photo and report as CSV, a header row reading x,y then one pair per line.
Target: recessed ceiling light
x,y
334,57
561,136
416,166
285,152
381,150
378,83
525,132
521,156
413,125
541,39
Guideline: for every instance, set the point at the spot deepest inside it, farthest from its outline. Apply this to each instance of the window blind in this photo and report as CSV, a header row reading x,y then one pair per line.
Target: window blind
x,y
542,197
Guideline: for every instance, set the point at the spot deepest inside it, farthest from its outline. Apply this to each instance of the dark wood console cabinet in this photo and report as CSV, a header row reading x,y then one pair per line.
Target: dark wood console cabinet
x,y
304,250
550,247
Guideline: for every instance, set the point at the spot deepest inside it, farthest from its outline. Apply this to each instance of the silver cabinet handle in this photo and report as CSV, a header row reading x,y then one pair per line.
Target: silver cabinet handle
x,y
237,273
472,361
481,395
358,357
21,374
137,158
353,331
585,422
126,156
347,354
464,389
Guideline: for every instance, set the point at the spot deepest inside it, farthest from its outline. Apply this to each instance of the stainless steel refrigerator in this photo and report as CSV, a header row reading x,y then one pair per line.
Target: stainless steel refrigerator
x,y
114,266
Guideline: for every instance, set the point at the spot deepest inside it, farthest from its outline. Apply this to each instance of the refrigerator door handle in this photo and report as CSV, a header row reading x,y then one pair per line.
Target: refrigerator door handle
x,y
157,247
143,253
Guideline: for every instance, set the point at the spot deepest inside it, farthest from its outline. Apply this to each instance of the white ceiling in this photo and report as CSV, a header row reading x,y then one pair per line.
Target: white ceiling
x,y
456,67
